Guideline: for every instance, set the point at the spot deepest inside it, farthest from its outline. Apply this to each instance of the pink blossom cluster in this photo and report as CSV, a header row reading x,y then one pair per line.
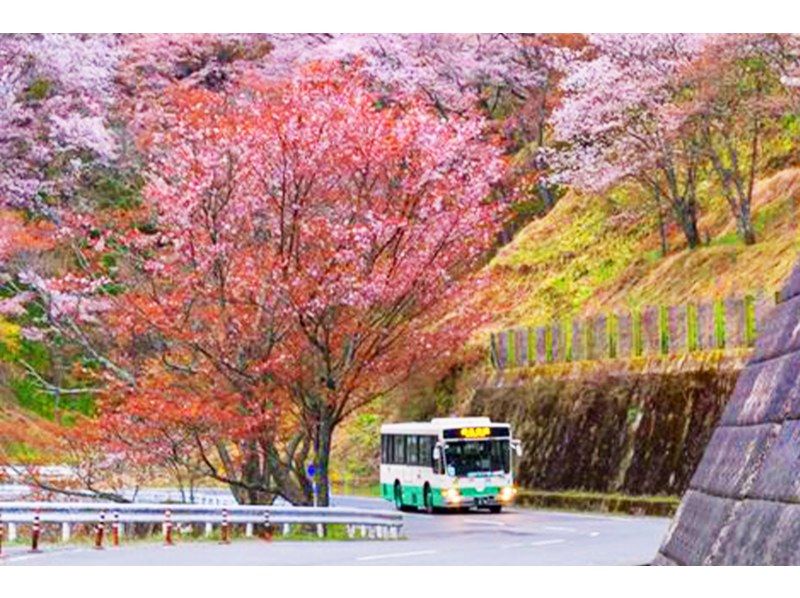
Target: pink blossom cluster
x,y
55,95
618,113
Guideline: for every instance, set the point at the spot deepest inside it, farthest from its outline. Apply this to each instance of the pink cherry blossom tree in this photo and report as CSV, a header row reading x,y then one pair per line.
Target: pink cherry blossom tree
x,y
620,120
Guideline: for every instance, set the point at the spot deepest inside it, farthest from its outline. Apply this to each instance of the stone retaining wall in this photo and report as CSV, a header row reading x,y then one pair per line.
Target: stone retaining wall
x,y
743,502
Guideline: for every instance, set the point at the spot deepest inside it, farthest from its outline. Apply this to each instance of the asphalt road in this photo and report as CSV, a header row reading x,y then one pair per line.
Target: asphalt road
x,y
514,537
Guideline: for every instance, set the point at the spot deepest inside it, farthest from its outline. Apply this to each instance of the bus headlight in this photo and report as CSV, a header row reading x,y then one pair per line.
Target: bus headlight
x,y
507,493
451,495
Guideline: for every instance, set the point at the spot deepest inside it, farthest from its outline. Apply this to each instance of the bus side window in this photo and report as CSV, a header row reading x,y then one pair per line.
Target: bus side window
x,y
425,448
400,449
411,450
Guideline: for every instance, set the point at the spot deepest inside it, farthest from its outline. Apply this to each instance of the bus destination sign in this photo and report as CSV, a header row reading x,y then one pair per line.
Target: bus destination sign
x,y
477,432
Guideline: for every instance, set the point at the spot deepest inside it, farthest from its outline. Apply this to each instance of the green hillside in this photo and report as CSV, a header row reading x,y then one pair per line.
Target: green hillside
x,y
592,254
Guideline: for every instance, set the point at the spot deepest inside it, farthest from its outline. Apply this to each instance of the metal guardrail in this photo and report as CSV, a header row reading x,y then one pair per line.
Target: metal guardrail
x,y
203,495
359,522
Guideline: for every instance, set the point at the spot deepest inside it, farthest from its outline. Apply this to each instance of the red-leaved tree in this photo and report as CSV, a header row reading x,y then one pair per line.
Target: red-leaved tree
x,y
309,247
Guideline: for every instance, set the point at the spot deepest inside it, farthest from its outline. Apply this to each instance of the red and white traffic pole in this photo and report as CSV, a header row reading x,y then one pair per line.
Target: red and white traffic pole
x,y
99,531
115,529
168,528
224,531
35,531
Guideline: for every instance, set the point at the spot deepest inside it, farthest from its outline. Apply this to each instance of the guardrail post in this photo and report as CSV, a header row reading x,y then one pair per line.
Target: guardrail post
x,y
286,529
65,532
12,532
224,539
248,530
363,531
168,528
99,531
35,531
267,527
115,529
350,531
208,529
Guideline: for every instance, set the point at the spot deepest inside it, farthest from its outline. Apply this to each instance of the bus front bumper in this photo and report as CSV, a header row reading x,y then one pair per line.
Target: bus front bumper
x,y
499,499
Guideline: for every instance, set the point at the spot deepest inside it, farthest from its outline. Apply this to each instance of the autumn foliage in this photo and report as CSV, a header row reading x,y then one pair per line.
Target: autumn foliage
x,y
310,247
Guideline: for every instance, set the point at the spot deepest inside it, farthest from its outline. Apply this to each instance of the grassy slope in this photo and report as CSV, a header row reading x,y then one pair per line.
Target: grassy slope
x,y
595,254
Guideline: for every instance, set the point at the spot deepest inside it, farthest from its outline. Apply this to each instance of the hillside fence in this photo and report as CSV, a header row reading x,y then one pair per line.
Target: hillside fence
x,y
729,323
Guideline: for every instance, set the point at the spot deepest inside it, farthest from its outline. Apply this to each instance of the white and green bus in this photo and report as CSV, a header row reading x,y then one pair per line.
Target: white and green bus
x,y
448,463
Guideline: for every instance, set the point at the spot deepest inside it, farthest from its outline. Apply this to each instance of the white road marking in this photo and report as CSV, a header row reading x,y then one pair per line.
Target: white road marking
x,y
16,557
394,555
515,545
547,542
485,522
555,528
585,516
594,534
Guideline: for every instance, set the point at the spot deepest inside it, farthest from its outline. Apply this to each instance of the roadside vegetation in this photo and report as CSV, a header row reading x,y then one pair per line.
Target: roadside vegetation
x,y
225,257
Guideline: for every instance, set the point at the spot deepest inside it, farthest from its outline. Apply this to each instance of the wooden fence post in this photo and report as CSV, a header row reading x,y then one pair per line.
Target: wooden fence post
x,y
502,349
576,347
735,322
677,325
541,344
651,331
521,345
557,347
625,347
705,327
599,330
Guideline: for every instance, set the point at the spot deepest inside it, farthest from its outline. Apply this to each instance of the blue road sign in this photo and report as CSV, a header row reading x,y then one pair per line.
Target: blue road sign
x,y
312,470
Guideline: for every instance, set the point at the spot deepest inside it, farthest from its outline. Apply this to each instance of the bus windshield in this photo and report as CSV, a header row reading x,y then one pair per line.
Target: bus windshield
x,y
476,458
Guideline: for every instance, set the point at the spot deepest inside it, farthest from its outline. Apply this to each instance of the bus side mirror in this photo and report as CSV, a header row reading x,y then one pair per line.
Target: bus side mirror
x,y
517,447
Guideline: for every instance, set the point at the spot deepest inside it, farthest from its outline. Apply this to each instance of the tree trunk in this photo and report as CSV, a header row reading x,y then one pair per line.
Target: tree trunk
x,y
662,232
744,223
547,196
687,218
322,453
662,221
